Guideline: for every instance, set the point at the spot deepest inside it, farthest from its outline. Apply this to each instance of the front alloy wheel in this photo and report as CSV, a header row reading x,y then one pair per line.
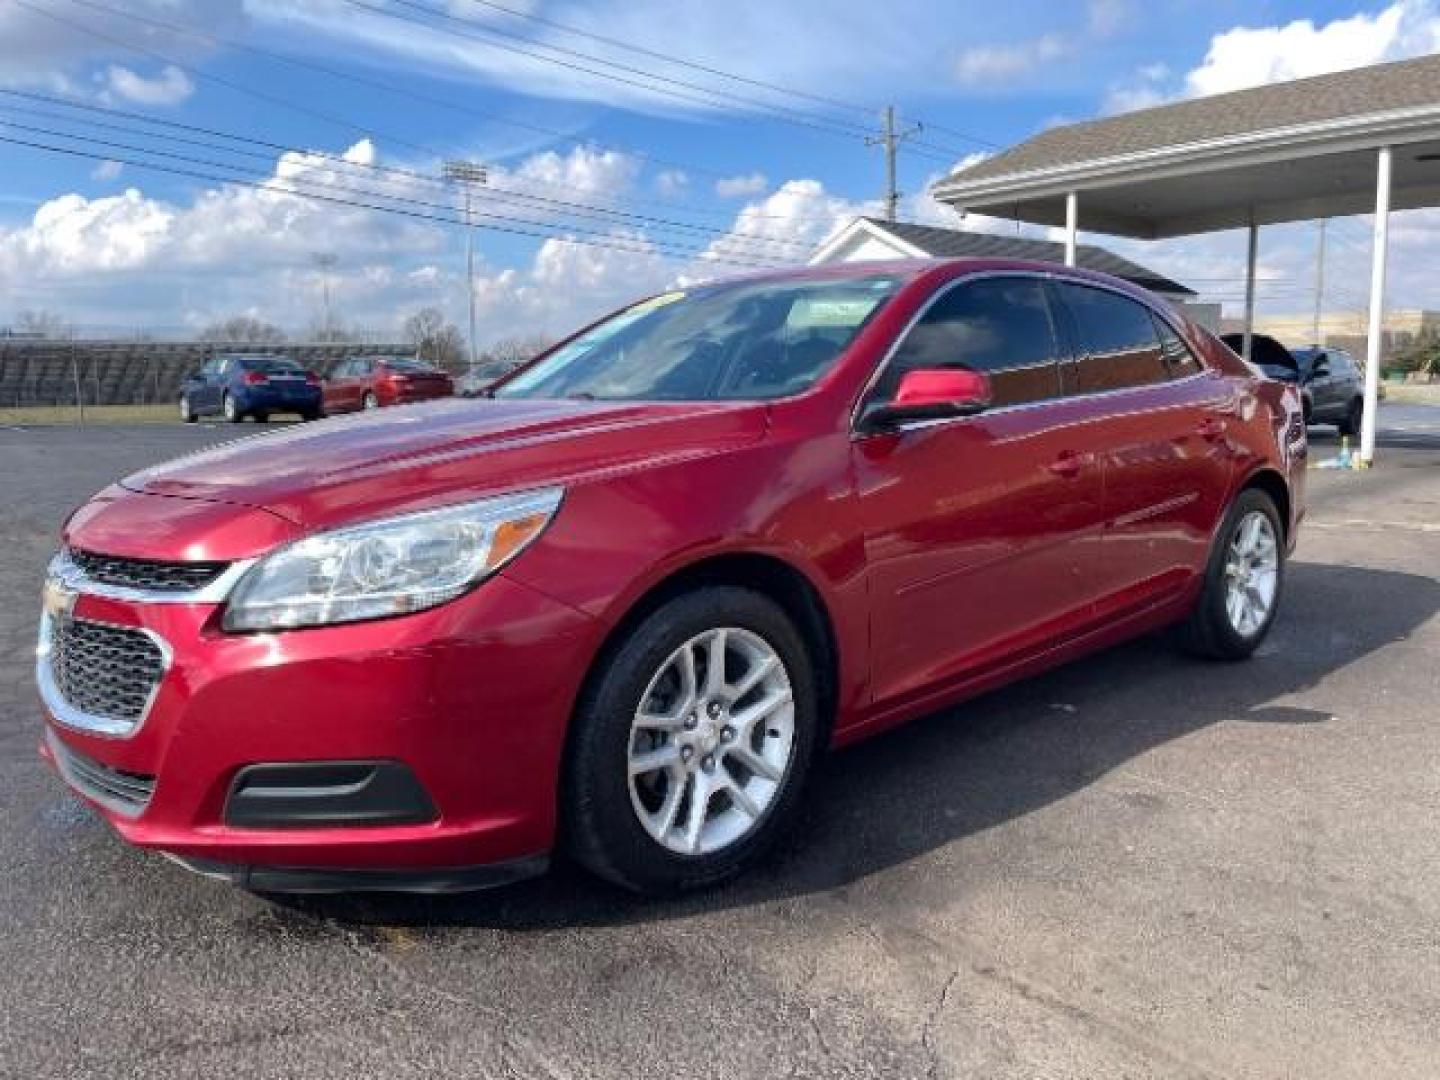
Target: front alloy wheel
x,y
710,743
691,742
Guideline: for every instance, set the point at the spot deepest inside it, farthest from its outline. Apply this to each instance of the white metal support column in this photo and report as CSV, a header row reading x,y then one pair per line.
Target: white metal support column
x,y
1072,225
1252,254
1377,306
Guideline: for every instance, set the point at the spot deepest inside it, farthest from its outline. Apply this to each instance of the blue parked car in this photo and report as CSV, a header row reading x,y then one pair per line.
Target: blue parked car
x,y
239,386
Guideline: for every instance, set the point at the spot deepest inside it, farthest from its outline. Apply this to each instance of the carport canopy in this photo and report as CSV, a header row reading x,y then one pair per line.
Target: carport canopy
x,y
1351,142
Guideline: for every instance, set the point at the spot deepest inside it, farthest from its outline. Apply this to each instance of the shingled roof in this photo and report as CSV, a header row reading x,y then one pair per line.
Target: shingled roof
x,y
1344,95
957,244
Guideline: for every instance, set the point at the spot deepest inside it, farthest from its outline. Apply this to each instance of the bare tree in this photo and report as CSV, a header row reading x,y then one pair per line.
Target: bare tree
x,y
516,350
436,340
44,324
333,333
243,328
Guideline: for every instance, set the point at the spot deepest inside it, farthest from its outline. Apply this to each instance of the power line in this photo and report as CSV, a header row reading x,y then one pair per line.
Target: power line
x,y
612,243
272,185
580,210
362,80
710,70
687,90
362,129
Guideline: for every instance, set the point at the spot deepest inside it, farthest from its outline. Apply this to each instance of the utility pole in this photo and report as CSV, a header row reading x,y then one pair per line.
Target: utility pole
x,y
1319,282
468,176
891,139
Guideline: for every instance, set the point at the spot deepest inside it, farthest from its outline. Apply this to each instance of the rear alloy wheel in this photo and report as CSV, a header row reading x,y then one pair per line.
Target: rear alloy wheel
x,y
187,414
691,747
369,401
1241,592
230,410
1351,424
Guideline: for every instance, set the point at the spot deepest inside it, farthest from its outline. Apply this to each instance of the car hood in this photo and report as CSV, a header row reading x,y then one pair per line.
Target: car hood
x,y
329,473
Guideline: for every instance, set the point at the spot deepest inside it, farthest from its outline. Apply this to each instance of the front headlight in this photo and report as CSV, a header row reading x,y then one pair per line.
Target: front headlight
x,y
390,567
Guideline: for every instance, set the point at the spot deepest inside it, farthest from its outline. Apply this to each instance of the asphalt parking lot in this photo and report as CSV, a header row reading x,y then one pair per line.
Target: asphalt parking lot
x,y
1139,866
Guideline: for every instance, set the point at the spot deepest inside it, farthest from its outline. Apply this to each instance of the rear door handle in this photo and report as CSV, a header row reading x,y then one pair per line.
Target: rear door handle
x,y
1069,464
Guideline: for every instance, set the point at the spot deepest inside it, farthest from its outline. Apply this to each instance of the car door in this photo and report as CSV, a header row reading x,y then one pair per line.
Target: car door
x,y
196,384
362,380
213,385
1158,420
1320,382
978,529
332,389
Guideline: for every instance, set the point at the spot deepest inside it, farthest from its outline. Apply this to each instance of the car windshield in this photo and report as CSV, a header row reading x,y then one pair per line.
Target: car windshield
x,y
737,341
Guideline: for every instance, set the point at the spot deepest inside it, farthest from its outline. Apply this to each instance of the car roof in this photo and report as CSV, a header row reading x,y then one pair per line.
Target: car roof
x,y
914,269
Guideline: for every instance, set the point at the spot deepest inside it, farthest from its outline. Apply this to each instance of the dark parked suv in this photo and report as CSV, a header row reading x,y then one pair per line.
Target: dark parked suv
x,y
239,386
1332,389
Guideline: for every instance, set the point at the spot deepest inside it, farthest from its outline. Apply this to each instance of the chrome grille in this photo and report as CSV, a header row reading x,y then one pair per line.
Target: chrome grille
x,y
125,792
147,574
103,670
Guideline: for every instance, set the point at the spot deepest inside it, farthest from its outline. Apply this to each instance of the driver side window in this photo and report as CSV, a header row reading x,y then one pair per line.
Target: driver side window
x,y
1000,326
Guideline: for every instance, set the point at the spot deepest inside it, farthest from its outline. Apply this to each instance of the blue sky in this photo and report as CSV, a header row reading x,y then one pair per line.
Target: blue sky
x,y
112,245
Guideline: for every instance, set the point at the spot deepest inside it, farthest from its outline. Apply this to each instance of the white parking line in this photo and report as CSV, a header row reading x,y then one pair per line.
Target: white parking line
x,y
1366,523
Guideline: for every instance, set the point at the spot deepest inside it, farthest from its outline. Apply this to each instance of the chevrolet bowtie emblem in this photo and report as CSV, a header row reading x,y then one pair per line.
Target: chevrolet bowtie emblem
x,y
58,600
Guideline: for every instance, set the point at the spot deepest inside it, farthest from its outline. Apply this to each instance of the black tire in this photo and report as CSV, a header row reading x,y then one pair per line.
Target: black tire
x,y
187,414
600,828
1351,424
230,410
312,415
261,417
1208,631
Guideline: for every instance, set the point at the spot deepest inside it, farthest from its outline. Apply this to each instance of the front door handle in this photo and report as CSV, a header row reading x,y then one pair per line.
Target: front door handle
x,y
1212,428
1069,464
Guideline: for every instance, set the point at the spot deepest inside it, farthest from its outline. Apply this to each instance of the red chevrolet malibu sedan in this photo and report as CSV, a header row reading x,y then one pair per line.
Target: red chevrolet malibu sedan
x,y
618,609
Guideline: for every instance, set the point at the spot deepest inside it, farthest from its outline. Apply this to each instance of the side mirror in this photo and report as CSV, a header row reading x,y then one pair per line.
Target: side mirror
x,y
932,394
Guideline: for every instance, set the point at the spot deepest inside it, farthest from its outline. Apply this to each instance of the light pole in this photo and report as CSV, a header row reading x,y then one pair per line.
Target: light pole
x,y
325,262
468,176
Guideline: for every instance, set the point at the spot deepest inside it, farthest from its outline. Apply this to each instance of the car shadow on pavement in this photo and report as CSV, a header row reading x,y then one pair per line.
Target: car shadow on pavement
x,y
994,759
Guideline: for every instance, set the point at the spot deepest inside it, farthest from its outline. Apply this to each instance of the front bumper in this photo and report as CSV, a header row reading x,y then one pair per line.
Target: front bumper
x,y
473,698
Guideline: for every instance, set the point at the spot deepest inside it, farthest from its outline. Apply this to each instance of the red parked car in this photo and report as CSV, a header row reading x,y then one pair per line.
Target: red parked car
x,y
370,382
620,607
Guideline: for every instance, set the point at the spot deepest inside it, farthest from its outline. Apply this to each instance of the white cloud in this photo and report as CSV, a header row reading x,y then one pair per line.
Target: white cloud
x,y
585,170
812,43
1105,18
170,86
732,187
49,49
983,64
672,182
107,170
1246,56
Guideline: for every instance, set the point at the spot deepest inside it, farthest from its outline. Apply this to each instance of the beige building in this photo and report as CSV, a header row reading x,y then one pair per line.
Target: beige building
x,y
1344,329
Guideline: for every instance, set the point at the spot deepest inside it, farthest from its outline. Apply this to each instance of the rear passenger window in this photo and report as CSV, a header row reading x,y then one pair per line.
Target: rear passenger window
x,y
1178,357
1000,326
1118,345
